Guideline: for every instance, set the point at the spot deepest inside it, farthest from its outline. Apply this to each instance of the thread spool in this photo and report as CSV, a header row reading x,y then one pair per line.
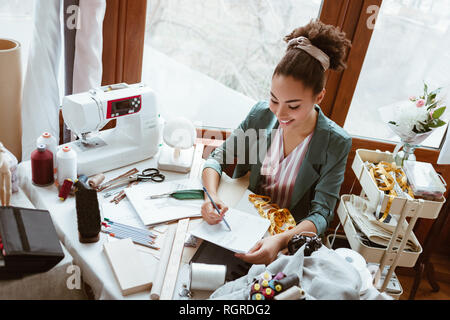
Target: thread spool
x,y
82,179
65,189
88,214
268,293
258,296
287,282
66,161
96,180
51,143
42,166
293,293
207,276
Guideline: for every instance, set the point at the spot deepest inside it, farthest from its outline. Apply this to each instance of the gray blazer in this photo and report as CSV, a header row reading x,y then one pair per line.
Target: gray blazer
x,y
321,174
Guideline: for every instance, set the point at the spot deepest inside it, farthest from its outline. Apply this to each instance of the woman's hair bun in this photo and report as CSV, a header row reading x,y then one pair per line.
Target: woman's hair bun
x,y
328,38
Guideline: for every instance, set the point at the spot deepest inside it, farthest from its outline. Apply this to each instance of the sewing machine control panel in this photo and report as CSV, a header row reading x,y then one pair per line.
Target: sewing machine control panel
x,y
122,107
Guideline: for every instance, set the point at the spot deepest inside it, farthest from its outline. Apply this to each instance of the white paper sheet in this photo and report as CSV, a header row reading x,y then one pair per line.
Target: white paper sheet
x,y
124,213
245,205
246,230
165,209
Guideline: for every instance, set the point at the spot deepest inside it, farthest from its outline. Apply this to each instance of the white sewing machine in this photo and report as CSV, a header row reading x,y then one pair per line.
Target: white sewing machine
x,y
136,137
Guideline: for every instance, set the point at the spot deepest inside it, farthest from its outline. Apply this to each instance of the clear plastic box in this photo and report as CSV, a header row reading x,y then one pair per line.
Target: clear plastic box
x,y
424,180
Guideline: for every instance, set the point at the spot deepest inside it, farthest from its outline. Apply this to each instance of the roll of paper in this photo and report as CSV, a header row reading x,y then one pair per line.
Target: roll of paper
x,y
11,96
207,276
163,262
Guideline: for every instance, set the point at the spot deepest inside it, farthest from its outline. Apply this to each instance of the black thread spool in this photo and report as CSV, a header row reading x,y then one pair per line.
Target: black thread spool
x,y
88,214
287,282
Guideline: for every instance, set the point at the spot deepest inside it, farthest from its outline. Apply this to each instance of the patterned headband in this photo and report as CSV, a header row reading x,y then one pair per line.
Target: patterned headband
x,y
306,45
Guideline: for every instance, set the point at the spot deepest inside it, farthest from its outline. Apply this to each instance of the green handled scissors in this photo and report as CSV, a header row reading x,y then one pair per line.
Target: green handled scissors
x,y
190,194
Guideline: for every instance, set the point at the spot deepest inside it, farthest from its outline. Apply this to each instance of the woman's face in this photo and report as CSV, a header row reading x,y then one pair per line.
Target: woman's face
x,y
292,103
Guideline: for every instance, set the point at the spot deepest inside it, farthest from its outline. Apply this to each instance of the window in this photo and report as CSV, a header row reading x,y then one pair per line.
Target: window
x,y
410,44
16,22
220,48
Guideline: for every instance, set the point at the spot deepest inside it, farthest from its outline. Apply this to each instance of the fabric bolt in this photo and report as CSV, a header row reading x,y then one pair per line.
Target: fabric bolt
x,y
324,275
279,173
89,46
41,100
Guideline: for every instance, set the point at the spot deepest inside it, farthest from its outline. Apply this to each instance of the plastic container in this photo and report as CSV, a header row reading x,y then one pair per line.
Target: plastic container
x,y
51,143
425,208
424,180
372,254
66,160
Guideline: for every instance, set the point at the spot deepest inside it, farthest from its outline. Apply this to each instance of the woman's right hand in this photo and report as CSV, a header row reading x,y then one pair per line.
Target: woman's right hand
x,y
210,214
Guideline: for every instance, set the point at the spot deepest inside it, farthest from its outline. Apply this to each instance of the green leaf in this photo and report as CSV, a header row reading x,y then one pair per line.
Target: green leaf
x,y
433,105
438,113
430,98
393,122
425,88
438,123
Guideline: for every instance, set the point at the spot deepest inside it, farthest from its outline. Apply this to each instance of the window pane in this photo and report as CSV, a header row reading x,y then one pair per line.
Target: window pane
x,y
235,43
410,45
16,22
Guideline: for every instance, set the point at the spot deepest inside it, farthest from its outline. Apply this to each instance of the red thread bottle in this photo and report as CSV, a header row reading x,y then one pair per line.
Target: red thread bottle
x,y
42,166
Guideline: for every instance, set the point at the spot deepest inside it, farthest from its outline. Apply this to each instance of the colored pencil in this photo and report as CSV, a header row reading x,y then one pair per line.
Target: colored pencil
x,y
119,236
130,231
151,234
132,235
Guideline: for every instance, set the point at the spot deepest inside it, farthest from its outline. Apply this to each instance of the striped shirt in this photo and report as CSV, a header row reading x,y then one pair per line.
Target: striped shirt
x,y
279,173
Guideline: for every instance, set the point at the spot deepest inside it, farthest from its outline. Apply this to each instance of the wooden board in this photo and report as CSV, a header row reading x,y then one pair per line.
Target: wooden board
x,y
171,276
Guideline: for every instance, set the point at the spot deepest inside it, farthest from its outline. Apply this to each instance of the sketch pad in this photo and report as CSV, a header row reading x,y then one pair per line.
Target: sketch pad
x,y
158,211
246,230
130,272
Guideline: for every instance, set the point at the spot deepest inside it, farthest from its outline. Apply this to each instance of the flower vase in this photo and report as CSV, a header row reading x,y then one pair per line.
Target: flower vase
x,y
407,153
405,149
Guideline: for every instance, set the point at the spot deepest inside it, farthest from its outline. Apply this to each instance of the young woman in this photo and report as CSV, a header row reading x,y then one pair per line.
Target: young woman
x,y
304,166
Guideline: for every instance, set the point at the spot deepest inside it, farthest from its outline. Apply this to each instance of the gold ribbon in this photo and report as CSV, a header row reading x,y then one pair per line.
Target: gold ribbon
x,y
281,219
383,174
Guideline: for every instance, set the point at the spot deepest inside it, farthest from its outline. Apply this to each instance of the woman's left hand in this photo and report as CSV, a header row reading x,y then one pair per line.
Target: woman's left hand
x,y
264,252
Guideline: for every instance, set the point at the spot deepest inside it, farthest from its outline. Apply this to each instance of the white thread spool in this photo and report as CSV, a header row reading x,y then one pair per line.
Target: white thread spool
x,y
51,143
207,276
293,293
66,161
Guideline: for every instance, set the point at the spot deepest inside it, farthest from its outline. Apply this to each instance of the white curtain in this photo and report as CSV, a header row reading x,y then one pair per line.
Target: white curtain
x,y
41,100
87,72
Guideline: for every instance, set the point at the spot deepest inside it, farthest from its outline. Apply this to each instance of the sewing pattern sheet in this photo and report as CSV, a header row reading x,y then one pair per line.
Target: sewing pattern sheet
x,y
157,211
246,230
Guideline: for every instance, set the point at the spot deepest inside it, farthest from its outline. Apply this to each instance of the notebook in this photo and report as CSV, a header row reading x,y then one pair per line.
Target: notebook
x,y
246,230
162,210
130,272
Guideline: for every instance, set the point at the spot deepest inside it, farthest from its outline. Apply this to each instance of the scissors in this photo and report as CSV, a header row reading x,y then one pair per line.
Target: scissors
x,y
152,174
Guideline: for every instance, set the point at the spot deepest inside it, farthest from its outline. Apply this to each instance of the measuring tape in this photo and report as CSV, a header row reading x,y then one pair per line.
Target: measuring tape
x,y
281,219
386,176
171,275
